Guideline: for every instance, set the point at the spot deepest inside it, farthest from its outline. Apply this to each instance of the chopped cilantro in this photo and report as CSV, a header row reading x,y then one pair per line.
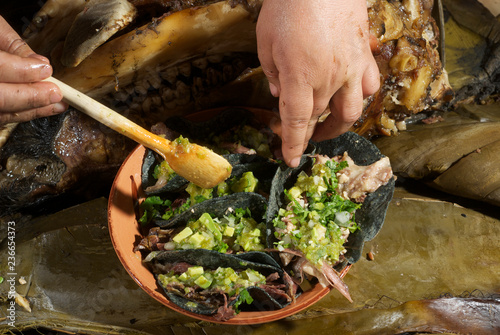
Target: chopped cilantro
x,y
244,297
315,214
222,248
152,207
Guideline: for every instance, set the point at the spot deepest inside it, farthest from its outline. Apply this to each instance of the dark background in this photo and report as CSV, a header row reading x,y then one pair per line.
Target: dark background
x,y
20,12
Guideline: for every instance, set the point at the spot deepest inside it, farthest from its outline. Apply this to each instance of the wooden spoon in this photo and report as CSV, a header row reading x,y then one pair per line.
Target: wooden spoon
x,y
197,164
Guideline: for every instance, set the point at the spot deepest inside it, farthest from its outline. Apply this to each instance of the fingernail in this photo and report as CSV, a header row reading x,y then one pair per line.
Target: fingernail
x,y
274,90
55,97
294,162
45,70
59,107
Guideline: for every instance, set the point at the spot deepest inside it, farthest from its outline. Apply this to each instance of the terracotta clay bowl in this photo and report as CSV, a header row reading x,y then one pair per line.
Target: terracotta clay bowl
x,y
125,233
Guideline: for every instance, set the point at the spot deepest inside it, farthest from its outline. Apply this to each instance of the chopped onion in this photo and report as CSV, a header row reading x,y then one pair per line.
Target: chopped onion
x,y
169,245
342,217
150,256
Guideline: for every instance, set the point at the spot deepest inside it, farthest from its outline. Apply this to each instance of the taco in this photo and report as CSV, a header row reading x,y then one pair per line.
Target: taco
x,y
210,283
321,213
230,224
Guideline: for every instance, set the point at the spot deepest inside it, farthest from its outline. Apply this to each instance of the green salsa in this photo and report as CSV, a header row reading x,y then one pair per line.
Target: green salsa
x,y
247,136
163,171
255,139
317,220
154,206
238,232
181,145
225,279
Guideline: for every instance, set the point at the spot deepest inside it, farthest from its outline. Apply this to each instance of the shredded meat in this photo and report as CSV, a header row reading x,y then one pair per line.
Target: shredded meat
x,y
321,159
272,277
224,312
291,285
237,148
180,268
356,181
160,183
277,292
156,239
334,280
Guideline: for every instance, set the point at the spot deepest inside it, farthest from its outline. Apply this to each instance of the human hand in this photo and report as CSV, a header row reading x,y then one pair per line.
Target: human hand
x,y
23,96
316,54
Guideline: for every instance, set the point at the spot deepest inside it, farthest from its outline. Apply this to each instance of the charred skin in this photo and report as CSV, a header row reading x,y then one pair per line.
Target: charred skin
x,y
46,157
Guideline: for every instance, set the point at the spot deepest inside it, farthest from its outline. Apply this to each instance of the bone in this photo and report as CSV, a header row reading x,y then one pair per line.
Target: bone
x,y
165,90
129,89
227,73
215,28
154,81
141,89
146,106
182,93
170,105
214,77
197,86
156,100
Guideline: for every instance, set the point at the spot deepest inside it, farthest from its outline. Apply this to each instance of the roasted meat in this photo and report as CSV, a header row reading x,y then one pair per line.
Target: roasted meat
x,y
412,77
148,71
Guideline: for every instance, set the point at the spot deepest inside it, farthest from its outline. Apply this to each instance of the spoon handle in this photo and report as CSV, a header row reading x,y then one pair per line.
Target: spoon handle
x,y
109,117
